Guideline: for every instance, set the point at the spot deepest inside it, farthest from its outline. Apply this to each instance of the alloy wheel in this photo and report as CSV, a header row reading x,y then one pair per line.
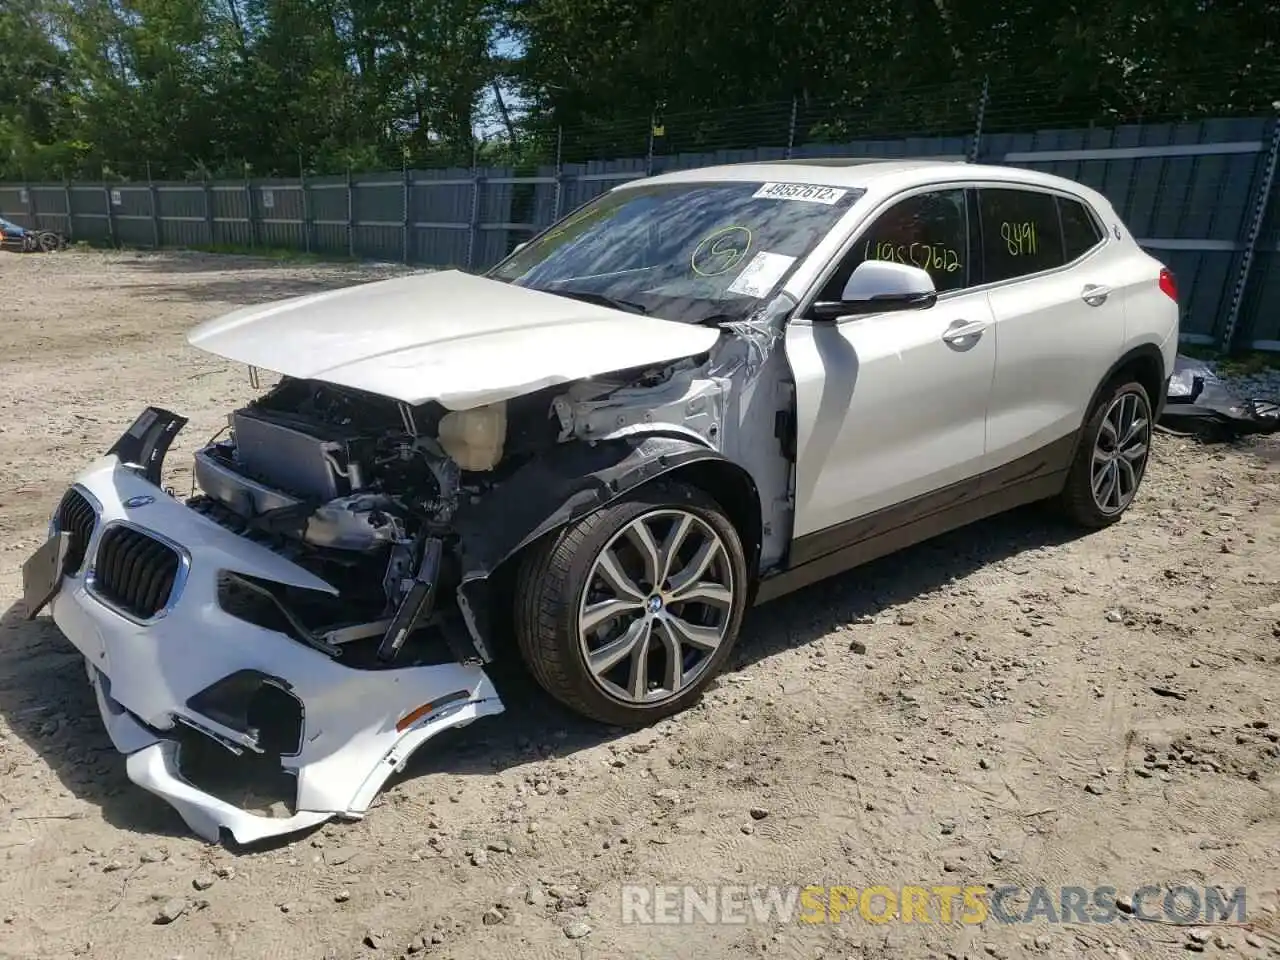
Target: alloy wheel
x,y
657,605
1120,452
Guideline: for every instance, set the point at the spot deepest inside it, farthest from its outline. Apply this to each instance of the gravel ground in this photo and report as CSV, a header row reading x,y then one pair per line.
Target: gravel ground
x,y
1013,703
1258,385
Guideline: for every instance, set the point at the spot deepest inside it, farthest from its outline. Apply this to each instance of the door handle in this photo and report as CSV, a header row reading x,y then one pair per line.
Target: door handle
x,y
962,330
1095,295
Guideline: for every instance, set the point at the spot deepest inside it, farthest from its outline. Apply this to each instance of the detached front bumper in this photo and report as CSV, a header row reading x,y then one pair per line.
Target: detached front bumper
x,y
192,663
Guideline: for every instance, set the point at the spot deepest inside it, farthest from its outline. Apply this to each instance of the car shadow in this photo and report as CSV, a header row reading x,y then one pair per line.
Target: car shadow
x,y
198,261
534,725
242,280
47,702
240,291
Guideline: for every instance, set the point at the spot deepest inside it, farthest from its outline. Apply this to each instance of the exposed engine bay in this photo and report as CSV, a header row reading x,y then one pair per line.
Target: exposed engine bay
x,y
363,491
360,490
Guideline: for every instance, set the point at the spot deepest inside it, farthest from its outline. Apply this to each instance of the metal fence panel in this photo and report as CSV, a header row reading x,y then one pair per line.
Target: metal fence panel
x,y
90,214
1262,303
545,193
278,211
439,216
1189,204
131,215
183,215
1189,192
377,211
49,208
438,247
1260,316
329,207
13,204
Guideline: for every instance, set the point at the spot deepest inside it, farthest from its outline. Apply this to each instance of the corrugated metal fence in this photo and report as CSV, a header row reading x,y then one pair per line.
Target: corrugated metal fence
x,y
1201,196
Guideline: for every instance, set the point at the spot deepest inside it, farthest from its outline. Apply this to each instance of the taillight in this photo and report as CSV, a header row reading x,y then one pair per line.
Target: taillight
x,y
1168,286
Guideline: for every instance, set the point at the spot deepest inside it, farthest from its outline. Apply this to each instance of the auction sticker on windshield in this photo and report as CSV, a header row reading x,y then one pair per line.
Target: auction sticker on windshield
x,y
761,275
799,191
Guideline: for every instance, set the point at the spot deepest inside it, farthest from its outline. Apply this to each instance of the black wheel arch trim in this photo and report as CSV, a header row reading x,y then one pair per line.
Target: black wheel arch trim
x,y
1143,351
549,492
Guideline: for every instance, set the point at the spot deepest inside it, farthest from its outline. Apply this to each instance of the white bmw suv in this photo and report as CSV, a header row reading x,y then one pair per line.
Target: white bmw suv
x,y
695,393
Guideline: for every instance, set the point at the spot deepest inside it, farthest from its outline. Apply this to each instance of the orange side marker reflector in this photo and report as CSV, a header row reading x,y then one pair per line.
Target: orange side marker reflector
x,y
413,716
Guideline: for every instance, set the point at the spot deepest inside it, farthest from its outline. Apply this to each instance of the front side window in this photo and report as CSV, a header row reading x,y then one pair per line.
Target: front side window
x,y
1020,233
928,230
690,252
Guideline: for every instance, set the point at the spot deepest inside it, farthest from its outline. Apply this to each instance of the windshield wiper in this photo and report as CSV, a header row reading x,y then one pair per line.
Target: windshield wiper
x,y
602,300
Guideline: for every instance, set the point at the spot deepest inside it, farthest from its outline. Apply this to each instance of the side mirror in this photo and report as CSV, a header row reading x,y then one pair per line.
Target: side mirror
x,y
877,286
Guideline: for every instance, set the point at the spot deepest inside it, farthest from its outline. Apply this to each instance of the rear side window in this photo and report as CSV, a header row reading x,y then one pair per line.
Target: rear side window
x,y
1080,231
1020,233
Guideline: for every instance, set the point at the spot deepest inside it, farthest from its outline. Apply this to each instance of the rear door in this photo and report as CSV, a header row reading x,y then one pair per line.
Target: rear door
x,y
1057,299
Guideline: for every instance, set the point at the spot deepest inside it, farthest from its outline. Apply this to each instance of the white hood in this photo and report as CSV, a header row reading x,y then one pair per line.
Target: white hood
x,y
452,337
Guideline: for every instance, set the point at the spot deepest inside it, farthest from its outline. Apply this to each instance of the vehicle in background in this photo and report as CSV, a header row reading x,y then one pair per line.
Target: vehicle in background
x,y
19,239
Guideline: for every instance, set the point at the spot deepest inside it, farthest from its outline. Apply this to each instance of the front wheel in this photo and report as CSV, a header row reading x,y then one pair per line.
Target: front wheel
x,y
1112,457
627,614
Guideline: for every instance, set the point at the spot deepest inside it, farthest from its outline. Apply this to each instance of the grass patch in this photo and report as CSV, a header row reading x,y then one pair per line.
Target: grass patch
x,y
282,254
1244,364
1248,363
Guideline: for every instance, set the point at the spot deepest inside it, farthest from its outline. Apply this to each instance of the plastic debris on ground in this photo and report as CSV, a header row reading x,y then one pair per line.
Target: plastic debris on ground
x,y
1198,404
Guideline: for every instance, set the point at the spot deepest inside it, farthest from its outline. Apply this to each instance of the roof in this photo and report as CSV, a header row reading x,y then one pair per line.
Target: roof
x,y
879,175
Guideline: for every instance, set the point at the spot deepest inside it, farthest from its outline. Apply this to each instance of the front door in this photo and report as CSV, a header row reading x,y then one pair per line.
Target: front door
x,y
892,406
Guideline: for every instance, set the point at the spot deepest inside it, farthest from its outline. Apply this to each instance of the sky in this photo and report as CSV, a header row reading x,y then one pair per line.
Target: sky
x,y
490,125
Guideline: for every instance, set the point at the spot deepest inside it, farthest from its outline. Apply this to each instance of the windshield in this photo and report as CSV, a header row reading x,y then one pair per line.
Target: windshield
x,y
692,252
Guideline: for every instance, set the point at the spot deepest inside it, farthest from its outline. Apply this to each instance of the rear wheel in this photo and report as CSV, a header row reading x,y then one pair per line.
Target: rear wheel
x,y
1112,457
626,615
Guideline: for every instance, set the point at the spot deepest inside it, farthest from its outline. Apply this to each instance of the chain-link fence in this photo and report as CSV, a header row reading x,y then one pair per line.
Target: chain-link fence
x,y
1200,194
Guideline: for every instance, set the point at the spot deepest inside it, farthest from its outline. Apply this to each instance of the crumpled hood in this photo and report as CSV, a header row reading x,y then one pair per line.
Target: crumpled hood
x,y
452,337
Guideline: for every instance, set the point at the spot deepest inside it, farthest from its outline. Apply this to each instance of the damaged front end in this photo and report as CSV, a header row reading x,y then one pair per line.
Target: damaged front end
x,y
322,606
244,620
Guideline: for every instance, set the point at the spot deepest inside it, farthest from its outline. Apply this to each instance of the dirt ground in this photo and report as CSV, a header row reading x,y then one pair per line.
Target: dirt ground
x,y
981,710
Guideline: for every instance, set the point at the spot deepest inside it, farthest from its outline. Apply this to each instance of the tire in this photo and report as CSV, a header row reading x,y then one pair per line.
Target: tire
x,y
574,570
1089,498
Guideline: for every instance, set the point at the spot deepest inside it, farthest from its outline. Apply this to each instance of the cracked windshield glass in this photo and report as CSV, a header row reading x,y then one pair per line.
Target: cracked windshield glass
x,y
695,253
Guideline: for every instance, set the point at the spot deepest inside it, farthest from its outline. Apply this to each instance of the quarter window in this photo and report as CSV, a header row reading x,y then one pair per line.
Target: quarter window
x,y
1020,233
1080,231
928,230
